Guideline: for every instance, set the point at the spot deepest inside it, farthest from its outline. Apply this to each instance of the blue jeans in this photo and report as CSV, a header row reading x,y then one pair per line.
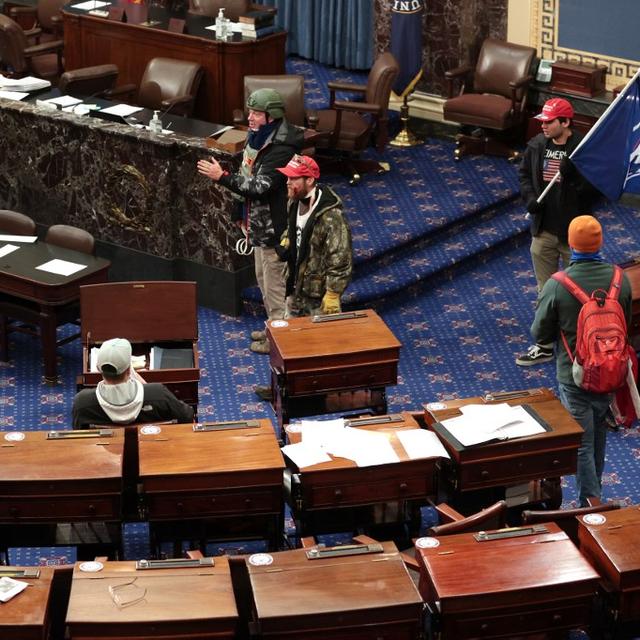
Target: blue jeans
x,y
589,410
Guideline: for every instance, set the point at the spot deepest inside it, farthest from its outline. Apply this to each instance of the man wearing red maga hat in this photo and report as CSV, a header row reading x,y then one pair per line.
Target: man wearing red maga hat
x,y
570,196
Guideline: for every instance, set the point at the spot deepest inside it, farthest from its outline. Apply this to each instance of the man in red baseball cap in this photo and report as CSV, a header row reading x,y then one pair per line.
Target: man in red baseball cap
x,y
570,196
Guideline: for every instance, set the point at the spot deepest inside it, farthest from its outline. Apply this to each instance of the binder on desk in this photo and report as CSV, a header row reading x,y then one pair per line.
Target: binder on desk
x,y
170,358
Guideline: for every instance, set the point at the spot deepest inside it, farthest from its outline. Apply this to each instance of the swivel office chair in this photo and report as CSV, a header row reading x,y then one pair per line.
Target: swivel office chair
x,y
89,81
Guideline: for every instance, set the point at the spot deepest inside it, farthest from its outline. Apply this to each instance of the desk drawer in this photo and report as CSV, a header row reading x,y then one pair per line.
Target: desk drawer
x,y
171,506
375,375
516,469
505,624
67,509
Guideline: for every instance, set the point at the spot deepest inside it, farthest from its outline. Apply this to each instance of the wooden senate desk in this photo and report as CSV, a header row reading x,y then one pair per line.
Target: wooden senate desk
x,y
632,271
547,455
26,616
341,487
230,476
339,363
508,587
160,319
46,299
178,603
91,40
610,543
364,597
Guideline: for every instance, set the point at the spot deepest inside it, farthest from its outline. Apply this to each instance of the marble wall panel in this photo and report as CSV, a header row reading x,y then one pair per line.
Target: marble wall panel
x,y
124,186
453,32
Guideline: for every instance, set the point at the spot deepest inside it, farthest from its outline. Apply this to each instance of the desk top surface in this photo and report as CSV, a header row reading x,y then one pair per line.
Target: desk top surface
x,y
617,537
167,595
330,585
21,264
37,459
390,430
28,608
303,338
178,450
511,565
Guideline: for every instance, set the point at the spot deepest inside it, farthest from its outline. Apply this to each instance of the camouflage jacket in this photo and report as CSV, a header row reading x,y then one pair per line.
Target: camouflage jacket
x,y
265,190
324,259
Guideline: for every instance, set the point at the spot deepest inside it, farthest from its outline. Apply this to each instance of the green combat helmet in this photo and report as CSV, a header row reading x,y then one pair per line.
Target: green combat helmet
x,y
267,100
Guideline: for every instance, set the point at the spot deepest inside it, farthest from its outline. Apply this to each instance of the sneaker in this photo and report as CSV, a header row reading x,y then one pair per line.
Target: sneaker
x,y
535,355
258,336
260,347
264,392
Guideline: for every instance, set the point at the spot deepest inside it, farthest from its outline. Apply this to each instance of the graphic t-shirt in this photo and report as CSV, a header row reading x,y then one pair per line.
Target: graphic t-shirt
x,y
553,155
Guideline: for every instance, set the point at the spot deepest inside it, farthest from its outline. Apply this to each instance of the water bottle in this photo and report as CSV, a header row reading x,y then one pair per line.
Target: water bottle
x,y
155,124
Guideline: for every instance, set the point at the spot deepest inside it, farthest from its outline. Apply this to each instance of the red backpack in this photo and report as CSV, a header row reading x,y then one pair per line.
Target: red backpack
x,y
601,358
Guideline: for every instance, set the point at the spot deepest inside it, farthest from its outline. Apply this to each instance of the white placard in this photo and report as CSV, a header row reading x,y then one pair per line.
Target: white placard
x,y
5,237
64,101
13,95
61,267
90,4
7,249
123,110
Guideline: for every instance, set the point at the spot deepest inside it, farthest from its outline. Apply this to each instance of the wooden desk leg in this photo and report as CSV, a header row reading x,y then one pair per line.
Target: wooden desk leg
x,y
48,326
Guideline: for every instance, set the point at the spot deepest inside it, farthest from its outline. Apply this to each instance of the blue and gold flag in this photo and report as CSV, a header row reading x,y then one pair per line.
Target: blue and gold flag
x,y
406,43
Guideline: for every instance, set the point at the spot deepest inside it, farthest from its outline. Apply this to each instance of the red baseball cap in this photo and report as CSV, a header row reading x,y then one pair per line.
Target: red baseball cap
x,y
555,108
301,167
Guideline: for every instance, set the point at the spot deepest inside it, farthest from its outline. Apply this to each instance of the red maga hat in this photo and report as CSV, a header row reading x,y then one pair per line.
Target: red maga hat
x,y
555,108
301,167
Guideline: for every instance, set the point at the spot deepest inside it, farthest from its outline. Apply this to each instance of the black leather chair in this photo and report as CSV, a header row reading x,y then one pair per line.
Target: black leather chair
x,y
89,81
15,223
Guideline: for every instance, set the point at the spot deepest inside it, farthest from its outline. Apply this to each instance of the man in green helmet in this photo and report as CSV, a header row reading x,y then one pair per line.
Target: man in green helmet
x,y
271,143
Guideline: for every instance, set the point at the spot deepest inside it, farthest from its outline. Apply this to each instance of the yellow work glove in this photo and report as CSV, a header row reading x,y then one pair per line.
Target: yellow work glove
x,y
284,243
330,302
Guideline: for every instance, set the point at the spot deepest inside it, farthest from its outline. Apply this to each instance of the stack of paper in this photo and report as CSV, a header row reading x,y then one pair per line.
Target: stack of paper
x,y
484,422
10,587
23,84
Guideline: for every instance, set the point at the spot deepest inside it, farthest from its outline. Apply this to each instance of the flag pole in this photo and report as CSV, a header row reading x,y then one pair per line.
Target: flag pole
x,y
592,130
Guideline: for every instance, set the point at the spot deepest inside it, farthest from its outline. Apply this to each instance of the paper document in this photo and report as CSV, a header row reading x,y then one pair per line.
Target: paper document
x,y
305,455
10,587
64,101
123,110
365,448
61,267
90,4
482,423
321,433
12,95
420,443
7,249
5,237
23,84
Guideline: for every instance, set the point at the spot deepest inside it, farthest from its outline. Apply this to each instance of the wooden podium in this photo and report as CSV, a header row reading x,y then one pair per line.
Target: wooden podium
x,y
231,476
610,542
510,462
364,597
325,364
340,485
505,587
149,314
173,604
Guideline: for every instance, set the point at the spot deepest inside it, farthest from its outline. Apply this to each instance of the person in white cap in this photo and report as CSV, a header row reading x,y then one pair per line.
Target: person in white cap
x,y
123,396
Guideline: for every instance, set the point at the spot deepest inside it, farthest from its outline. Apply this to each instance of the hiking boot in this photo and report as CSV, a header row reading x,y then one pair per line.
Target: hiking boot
x,y
258,336
264,392
535,355
260,347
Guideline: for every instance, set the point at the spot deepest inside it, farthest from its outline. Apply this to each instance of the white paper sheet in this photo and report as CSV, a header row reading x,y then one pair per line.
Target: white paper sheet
x,y
10,588
61,267
305,455
123,110
481,423
64,101
420,443
365,448
321,433
13,95
7,249
5,237
90,4
30,83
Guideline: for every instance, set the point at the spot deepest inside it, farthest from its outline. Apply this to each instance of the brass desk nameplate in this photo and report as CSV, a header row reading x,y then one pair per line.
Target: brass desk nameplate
x,y
363,422
222,426
81,433
503,396
333,317
174,563
8,572
343,550
510,532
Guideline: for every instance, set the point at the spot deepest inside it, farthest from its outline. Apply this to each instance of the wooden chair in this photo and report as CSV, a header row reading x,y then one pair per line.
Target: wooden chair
x,y
492,517
45,16
99,81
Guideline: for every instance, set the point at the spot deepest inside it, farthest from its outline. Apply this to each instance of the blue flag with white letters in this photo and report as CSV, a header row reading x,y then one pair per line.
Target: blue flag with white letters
x,y
610,157
406,42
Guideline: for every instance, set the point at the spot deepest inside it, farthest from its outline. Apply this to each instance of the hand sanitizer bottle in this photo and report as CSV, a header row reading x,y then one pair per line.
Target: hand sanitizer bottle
x,y
155,124
221,25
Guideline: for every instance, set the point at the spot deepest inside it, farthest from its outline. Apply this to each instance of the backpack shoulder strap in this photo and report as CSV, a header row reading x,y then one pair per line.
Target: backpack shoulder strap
x,y
575,290
616,282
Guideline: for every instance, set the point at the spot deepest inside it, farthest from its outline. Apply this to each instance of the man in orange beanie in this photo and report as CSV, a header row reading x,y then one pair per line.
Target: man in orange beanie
x,y
557,313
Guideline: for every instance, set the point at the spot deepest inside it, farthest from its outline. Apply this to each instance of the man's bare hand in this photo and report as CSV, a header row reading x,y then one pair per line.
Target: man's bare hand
x,y
211,169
